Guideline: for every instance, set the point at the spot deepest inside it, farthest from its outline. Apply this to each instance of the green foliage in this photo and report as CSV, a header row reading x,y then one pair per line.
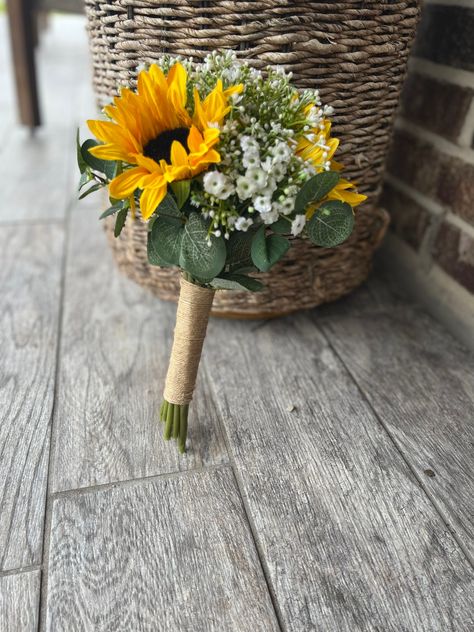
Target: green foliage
x,y
229,281
120,221
203,260
331,224
115,208
238,250
92,189
282,226
315,189
266,251
181,189
154,258
166,237
81,163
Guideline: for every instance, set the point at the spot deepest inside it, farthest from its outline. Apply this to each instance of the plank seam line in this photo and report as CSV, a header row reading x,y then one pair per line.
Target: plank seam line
x,y
52,221
246,508
21,571
445,517
135,482
42,600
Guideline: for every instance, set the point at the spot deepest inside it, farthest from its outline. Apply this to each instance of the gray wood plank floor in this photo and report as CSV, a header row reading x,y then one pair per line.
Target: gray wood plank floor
x,y
350,540
114,351
421,384
304,502
19,595
173,554
30,269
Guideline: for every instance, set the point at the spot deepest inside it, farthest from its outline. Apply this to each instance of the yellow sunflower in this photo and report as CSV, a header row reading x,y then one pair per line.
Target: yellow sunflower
x,y
153,130
344,190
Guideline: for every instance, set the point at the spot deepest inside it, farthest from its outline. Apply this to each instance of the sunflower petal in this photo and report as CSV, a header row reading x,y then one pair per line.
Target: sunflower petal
x,y
110,152
179,156
151,198
177,77
125,184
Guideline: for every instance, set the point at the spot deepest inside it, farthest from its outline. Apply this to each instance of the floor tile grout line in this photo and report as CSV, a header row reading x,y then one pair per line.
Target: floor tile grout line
x,y
20,571
47,516
248,514
21,223
134,482
431,497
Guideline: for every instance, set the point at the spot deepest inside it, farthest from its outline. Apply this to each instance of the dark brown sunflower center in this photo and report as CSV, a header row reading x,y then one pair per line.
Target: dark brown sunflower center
x,y
160,147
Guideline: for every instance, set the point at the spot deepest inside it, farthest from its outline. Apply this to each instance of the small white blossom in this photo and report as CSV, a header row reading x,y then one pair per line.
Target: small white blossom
x,y
298,224
214,182
251,159
269,217
257,176
245,187
243,223
287,206
262,203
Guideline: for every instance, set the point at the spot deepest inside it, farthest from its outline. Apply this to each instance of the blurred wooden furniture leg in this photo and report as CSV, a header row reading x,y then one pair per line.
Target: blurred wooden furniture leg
x,y
22,37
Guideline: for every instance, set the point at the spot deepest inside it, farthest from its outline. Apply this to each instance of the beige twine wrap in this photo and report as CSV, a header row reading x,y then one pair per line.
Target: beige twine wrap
x,y
192,315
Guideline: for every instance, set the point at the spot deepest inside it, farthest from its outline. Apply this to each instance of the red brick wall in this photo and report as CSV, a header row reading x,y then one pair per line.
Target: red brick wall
x,y
429,189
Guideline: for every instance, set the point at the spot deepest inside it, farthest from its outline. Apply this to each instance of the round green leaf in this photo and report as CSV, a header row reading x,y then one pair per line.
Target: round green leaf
x,y
331,224
266,251
202,260
165,237
315,189
94,163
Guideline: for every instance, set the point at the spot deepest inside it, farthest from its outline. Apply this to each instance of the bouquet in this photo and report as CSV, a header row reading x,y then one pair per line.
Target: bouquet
x,y
227,165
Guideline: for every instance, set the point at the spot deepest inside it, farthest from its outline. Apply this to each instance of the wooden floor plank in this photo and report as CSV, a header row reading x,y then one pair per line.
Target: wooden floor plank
x,y
30,272
421,383
350,540
114,354
173,555
37,174
19,598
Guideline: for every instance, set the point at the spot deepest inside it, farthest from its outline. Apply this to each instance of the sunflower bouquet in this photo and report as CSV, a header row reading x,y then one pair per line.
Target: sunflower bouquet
x,y
227,165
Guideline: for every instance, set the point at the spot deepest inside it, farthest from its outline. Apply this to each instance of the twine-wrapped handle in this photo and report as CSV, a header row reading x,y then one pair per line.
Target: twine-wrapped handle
x,y
192,316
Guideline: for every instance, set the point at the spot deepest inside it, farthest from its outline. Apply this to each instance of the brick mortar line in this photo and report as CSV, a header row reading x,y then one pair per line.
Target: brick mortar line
x,y
442,72
434,208
443,145
450,3
466,135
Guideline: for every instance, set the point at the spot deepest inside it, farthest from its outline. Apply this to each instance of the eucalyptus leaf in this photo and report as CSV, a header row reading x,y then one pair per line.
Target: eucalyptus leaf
x,y
154,258
266,251
237,282
120,221
168,207
84,179
315,189
238,249
94,163
181,189
203,260
92,189
81,163
331,224
111,210
110,168
282,226
166,237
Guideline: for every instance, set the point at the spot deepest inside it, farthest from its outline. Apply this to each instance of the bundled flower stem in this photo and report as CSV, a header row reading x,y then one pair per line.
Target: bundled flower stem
x,y
194,306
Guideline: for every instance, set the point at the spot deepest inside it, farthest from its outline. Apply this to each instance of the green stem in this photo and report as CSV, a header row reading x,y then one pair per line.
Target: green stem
x,y
176,415
169,421
183,427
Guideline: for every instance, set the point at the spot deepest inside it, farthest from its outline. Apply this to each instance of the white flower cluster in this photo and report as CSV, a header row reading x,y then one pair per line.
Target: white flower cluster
x,y
261,169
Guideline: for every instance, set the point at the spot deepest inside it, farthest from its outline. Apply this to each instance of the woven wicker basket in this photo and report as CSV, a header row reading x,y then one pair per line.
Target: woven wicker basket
x,y
355,52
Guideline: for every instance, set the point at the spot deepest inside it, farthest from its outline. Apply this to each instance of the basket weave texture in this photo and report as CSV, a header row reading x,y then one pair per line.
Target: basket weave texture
x,y
354,52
